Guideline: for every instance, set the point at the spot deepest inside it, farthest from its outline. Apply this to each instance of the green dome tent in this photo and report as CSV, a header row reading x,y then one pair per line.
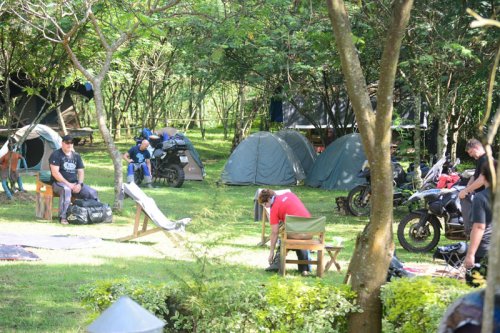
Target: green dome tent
x,y
336,168
301,147
262,159
37,145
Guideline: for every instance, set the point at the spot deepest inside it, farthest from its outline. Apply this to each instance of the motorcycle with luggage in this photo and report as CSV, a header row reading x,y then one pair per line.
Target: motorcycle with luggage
x,y
168,159
420,230
358,199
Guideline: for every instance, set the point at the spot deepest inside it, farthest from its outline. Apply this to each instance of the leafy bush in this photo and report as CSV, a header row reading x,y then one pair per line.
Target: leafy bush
x,y
100,295
417,305
295,307
283,305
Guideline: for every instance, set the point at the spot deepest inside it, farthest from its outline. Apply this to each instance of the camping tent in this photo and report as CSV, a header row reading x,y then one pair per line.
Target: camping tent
x,y
302,148
194,170
337,167
37,147
264,159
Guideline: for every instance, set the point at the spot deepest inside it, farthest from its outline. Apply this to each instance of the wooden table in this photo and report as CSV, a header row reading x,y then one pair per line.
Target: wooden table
x,y
333,252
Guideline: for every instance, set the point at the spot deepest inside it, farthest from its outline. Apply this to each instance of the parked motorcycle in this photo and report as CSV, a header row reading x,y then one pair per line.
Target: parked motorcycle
x,y
168,159
358,199
420,230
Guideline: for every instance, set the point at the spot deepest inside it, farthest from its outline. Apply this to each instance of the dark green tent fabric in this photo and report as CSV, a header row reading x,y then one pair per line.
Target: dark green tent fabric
x,y
336,168
193,151
301,147
262,159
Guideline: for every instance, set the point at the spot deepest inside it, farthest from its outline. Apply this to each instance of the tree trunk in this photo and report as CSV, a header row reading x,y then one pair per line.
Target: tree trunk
x,y
417,177
60,118
116,156
374,246
238,119
442,140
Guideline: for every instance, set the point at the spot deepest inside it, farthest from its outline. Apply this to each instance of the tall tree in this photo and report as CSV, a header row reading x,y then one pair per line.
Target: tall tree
x,y
63,22
374,246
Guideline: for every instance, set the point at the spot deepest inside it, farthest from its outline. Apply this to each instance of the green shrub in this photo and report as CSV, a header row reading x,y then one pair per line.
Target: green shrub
x,y
417,305
292,306
100,295
283,305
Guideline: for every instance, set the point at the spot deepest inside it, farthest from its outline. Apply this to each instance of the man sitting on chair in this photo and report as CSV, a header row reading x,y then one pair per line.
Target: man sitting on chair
x,y
67,175
282,205
139,157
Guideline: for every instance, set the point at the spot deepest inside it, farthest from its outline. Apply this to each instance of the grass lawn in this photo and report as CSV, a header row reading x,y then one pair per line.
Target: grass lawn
x,y
42,296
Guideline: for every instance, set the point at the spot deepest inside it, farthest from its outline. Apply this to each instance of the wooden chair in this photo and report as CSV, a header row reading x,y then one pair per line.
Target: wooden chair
x,y
303,233
146,206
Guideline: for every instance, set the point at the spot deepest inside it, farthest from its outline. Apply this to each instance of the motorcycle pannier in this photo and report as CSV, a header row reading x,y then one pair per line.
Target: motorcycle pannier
x,y
88,212
436,207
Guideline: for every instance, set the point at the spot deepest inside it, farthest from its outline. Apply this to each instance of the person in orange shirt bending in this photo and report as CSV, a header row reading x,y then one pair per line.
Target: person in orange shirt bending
x,y
8,170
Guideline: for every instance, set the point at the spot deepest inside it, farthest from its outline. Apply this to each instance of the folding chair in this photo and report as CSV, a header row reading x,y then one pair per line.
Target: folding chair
x,y
453,256
303,233
147,206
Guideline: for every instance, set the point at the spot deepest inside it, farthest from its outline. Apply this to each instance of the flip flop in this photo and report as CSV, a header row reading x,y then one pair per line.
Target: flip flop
x,y
64,221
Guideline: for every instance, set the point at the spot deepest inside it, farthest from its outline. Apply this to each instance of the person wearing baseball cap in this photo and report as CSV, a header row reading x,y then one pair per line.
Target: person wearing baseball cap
x,y
67,176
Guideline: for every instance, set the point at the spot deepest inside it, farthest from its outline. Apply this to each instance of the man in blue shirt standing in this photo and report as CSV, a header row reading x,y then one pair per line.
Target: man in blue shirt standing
x,y
139,157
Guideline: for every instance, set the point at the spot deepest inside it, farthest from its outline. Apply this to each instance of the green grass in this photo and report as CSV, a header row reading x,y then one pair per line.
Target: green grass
x,y
42,296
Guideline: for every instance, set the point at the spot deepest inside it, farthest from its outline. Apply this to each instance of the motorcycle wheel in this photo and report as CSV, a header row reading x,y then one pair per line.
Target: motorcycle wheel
x,y
176,176
358,201
138,176
415,237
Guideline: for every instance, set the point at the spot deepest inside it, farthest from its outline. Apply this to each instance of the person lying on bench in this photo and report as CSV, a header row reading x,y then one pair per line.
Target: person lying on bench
x,y
67,175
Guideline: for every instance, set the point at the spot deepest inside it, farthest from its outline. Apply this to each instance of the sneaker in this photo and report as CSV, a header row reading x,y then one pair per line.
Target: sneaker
x,y
64,221
305,273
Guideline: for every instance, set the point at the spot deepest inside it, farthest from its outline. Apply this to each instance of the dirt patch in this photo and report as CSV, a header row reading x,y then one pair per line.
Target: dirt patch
x,y
17,196
436,269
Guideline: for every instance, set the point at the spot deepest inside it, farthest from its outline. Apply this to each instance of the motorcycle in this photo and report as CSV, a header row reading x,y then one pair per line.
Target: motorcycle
x,y
358,199
420,230
168,159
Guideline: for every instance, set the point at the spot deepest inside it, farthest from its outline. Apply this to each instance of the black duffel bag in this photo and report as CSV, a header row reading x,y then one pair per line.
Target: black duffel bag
x,y
89,211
